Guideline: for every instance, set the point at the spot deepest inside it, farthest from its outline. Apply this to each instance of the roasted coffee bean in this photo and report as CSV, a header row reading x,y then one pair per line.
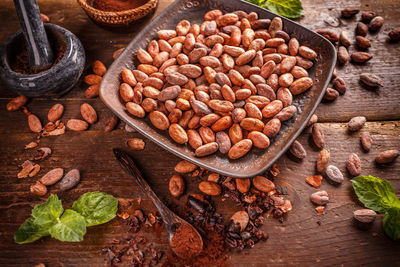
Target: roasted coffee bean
x,y
349,12
185,167
318,135
340,85
52,176
298,150
356,123
331,94
366,141
363,42
376,23
361,29
334,174
387,156
320,198
342,55
210,188
360,57
323,159
394,35
353,165
263,184
70,180
364,215
176,185
371,80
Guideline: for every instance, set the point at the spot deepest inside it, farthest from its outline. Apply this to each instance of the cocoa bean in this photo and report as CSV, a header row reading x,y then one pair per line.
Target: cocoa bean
x,y
331,94
298,150
240,149
367,16
263,184
38,189
88,113
135,143
52,176
323,159
243,185
356,123
361,29
366,141
364,216
34,123
55,112
314,180
360,57
349,12
111,123
16,103
318,135
176,185
376,23
394,35
387,156
344,39
320,198
342,55
185,167
329,34
206,149
363,42
70,180
99,68
210,188
353,165
371,80
334,174
313,119
241,218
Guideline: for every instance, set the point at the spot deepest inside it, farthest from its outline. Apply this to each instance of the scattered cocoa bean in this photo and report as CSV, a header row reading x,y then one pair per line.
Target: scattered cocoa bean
x,y
364,215
243,185
360,57
135,143
314,180
318,135
349,12
92,91
70,180
34,123
363,42
331,94
366,141
176,185
77,125
340,85
342,55
334,174
376,23
210,188
356,123
353,165
263,184
43,152
313,119
387,156
361,29
241,218
394,35
45,18
329,34
52,176
38,189
367,16
55,112
371,80
16,103
99,68
298,150
185,167
323,159
320,198
111,123
344,39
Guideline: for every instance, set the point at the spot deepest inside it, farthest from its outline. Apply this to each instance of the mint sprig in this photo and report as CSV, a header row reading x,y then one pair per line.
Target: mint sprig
x,y
287,8
379,195
49,218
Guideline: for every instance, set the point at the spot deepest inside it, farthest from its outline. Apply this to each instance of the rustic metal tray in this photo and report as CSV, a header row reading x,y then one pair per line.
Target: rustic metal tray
x,y
256,161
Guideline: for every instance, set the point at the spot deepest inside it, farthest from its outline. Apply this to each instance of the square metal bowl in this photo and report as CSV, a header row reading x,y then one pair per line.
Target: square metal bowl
x,y
256,161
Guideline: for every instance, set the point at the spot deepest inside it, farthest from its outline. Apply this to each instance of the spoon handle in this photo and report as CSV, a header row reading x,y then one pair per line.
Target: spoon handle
x,y
169,218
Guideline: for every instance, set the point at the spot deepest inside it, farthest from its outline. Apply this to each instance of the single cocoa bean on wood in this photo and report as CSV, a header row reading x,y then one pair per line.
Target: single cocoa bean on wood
x,y
210,188
34,123
176,185
334,174
298,150
366,141
318,135
364,215
356,123
371,80
88,113
263,184
387,156
185,167
353,164
241,218
52,176
70,180
55,112
16,103
323,159
320,198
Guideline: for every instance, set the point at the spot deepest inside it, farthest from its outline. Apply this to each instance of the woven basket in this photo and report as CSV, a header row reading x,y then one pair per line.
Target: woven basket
x,y
118,17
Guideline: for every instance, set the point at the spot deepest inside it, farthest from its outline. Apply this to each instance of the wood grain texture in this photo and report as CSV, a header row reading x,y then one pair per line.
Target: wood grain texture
x,y
300,240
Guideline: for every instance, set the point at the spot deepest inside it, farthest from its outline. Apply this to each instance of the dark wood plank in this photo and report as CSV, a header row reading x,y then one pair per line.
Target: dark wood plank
x,y
299,239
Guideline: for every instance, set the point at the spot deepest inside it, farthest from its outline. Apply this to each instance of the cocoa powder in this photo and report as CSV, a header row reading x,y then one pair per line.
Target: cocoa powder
x,y
116,5
185,242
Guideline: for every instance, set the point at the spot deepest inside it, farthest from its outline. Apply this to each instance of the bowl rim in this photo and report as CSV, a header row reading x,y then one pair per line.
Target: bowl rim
x,y
87,7
124,115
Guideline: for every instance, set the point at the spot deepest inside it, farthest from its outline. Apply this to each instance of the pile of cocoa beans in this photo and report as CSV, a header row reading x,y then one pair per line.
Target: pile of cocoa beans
x,y
226,85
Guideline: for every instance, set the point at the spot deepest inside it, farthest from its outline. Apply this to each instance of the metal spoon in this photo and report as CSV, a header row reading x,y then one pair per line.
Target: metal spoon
x,y
171,221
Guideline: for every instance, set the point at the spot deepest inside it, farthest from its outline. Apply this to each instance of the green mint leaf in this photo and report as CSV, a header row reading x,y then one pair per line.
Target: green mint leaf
x,y
257,2
71,227
391,223
96,207
287,8
43,217
46,214
375,193
28,232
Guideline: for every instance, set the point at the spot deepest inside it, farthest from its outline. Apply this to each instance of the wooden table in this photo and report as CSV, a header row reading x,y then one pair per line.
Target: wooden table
x,y
300,240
